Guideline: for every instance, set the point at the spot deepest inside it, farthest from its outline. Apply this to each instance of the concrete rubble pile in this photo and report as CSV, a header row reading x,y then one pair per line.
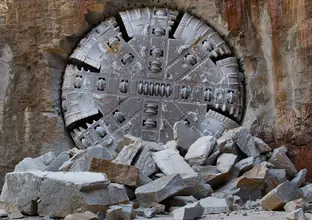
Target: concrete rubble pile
x,y
235,173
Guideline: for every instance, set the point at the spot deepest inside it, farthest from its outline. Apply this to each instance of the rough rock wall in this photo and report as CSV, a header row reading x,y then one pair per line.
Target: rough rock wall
x,y
272,37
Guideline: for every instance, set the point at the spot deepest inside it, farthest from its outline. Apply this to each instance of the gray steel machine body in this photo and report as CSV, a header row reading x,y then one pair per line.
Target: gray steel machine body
x,y
144,85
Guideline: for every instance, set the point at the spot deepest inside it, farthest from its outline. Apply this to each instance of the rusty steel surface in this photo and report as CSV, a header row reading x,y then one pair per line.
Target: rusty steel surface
x,y
145,73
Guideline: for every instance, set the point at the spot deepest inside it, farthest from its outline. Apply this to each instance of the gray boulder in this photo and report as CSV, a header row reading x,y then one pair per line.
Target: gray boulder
x,y
244,164
184,135
121,211
214,205
160,189
261,146
200,150
274,178
58,162
296,215
277,198
29,164
188,212
47,158
280,160
300,177
226,162
245,141
170,162
57,194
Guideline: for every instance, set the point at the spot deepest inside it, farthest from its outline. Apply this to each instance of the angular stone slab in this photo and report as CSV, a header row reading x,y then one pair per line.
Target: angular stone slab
x,y
261,146
280,160
29,164
245,164
295,204
300,177
226,162
47,158
160,189
196,186
279,196
214,205
119,173
61,193
200,150
81,216
245,141
184,135
144,160
190,211
58,162
170,162
121,211
274,178
127,154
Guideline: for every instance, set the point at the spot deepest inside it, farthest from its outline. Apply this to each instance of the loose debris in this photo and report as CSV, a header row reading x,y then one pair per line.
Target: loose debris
x,y
186,178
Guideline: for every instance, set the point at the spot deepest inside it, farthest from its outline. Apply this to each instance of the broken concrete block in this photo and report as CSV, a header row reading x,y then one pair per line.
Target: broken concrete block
x,y
196,186
29,164
261,146
258,172
146,212
274,178
212,159
127,154
214,205
170,162
160,189
299,179
47,158
296,215
119,173
244,164
58,162
59,194
226,162
280,160
184,135
82,216
200,150
295,204
188,212
278,197
121,211
244,141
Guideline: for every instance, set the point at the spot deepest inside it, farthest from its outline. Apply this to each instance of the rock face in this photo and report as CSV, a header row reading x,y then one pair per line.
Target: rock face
x,y
34,192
